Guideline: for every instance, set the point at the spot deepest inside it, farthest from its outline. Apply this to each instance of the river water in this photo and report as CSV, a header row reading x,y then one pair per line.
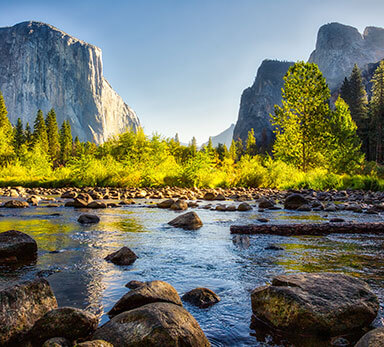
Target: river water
x,y
71,258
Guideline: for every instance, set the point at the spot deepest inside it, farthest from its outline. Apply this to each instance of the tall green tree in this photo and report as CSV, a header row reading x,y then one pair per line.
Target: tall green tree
x,y
65,140
28,135
377,110
354,94
19,136
6,134
40,137
344,145
53,135
232,150
299,122
250,145
5,124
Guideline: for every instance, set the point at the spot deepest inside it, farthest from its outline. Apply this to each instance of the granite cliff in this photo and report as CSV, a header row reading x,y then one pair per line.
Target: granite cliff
x,y
225,137
338,48
42,67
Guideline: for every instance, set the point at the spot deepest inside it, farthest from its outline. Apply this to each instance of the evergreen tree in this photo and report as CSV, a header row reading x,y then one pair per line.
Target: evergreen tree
x,y
299,123
250,145
232,150
19,137
239,149
177,140
193,147
28,135
65,140
354,94
222,151
40,137
344,149
5,124
53,135
377,109
77,147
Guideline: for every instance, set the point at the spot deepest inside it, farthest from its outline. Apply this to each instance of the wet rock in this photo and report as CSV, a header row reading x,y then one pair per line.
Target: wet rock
x,y
304,208
241,241
94,343
193,204
154,291
34,200
311,303
244,207
209,196
134,284
69,204
156,324
265,203
374,338
88,219
124,256
188,221
220,197
340,342
68,322
330,208
57,342
17,247
201,297
294,201
79,203
231,208
21,306
97,204
69,195
263,220
337,220
179,205
166,203
221,208
274,248
15,204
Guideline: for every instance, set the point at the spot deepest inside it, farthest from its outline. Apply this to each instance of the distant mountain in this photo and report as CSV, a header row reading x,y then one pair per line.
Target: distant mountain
x,y
41,67
338,48
224,137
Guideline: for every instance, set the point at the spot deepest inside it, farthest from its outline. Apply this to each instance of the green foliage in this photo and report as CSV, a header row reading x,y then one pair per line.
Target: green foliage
x,y
5,124
300,121
40,137
53,136
19,136
250,145
65,140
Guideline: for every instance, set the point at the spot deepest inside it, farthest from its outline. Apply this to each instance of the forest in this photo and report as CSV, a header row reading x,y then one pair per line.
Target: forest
x,y
323,141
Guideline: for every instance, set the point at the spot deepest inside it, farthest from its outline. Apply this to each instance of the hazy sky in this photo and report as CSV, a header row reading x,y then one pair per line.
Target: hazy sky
x,y
183,64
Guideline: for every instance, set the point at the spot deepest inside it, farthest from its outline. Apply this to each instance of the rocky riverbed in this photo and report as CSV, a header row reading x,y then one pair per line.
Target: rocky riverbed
x,y
71,255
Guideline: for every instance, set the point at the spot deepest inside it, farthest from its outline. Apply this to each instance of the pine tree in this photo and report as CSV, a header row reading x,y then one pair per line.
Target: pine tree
x,y
344,149
5,124
193,147
377,109
77,147
19,136
232,150
53,135
250,145
177,140
239,149
40,137
354,94
299,123
28,135
65,142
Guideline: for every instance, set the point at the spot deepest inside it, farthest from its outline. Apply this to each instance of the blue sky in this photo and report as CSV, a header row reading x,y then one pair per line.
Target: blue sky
x,y
183,64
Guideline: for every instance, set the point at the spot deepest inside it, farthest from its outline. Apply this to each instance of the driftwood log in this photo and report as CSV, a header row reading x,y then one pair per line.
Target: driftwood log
x,y
310,228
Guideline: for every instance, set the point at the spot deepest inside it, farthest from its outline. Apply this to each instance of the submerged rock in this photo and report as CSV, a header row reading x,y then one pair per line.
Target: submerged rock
x,y
88,219
21,306
311,303
156,324
149,292
374,338
68,322
201,297
17,247
188,221
124,256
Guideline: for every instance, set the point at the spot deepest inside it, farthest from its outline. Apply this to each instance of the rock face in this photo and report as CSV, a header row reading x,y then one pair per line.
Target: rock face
x,y
339,47
21,306
157,324
225,137
258,101
324,304
42,67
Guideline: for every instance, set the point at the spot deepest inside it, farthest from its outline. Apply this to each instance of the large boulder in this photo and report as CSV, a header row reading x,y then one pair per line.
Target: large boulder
x,y
166,203
97,204
15,204
201,297
311,303
188,221
179,205
68,322
88,219
294,201
21,306
149,292
57,342
124,256
156,324
266,203
17,247
374,338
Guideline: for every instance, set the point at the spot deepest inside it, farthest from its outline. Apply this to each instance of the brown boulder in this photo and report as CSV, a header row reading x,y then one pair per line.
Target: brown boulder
x,y
201,297
94,343
374,338
166,203
244,207
21,306
88,219
17,247
179,205
15,204
97,204
156,324
124,256
188,221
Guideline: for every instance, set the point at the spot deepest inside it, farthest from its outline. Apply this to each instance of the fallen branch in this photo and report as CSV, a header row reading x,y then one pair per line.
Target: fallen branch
x,y
310,229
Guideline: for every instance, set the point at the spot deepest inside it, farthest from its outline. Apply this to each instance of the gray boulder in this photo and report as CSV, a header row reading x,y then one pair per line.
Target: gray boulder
x,y
374,338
